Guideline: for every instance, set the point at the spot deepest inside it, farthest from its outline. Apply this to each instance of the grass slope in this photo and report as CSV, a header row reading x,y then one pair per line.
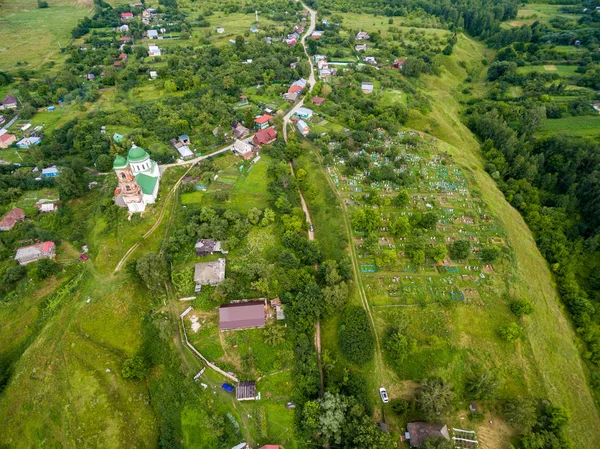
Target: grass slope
x,y
32,36
549,332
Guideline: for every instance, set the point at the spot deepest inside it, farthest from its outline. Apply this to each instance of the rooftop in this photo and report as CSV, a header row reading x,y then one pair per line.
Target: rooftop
x,y
420,431
242,315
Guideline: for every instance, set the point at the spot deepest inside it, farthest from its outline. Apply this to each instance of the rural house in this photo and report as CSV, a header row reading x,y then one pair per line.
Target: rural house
x,y
153,50
208,246
27,254
11,218
152,34
239,130
366,87
46,207
50,172
360,47
9,102
418,432
242,315
318,101
209,273
126,16
362,36
265,137
243,149
303,127
304,113
7,140
262,122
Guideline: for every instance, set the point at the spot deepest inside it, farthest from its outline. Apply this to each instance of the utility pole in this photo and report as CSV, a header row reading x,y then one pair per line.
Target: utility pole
x,y
256,12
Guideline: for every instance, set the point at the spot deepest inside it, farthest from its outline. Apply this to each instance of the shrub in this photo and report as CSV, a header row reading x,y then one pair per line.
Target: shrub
x,y
511,332
460,249
436,397
356,337
135,368
521,307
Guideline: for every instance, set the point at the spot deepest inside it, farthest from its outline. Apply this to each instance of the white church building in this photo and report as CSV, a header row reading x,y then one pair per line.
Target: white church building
x,y
139,179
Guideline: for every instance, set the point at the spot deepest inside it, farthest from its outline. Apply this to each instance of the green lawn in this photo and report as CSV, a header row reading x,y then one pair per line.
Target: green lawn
x,y
247,189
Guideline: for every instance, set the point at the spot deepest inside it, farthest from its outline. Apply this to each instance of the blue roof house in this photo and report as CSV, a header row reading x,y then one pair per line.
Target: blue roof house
x,y
50,172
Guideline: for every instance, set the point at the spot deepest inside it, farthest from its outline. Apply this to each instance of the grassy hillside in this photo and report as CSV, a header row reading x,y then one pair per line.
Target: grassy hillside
x,y
31,36
550,334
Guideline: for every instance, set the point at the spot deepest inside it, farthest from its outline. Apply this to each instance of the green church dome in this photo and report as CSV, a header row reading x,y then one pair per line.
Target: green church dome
x,y
137,154
120,162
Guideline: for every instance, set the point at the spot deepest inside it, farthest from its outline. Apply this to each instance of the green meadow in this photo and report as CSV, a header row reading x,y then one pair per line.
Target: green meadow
x,y
33,37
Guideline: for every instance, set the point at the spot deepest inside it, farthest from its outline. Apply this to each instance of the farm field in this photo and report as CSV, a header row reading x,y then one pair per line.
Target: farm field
x,y
576,126
531,12
31,37
562,70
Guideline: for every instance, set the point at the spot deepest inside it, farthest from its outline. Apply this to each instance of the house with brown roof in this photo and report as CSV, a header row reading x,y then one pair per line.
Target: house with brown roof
x,y
418,432
264,137
318,100
7,140
242,315
9,102
10,219
31,253
239,130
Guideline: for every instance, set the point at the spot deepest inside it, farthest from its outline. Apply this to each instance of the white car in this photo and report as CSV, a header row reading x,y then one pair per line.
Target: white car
x,y
384,395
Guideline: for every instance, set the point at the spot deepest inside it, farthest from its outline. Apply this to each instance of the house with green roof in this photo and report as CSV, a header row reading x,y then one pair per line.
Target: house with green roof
x,y
139,179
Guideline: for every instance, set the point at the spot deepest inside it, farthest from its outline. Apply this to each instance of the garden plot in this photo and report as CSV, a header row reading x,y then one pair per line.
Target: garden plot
x,y
434,185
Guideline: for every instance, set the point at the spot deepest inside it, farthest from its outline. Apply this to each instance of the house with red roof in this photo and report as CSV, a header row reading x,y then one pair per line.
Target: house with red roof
x,y
123,56
125,39
262,122
31,253
10,219
269,446
265,137
7,140
126,16
295,89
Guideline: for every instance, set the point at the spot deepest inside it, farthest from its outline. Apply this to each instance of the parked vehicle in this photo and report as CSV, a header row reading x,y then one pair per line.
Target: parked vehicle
x,y
384,395
228,388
